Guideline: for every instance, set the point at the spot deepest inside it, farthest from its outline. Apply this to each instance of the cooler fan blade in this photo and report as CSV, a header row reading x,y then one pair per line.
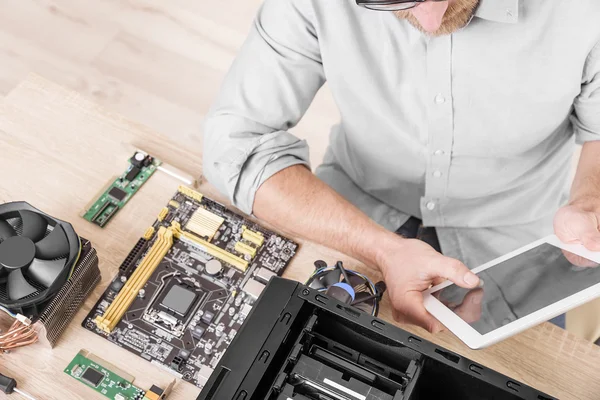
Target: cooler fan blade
x,y
6,230
54,245
34,226
44,271
366,306
17,286
316,284
358,283
331,278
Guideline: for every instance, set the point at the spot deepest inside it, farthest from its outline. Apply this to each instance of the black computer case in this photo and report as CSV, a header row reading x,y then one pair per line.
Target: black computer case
x,y
298,344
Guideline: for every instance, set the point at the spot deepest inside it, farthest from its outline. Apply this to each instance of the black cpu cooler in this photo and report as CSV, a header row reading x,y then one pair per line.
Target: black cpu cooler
x,y
46,269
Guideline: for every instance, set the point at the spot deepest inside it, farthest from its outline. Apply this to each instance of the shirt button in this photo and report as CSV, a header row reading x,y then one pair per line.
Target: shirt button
x,y
438,152
437,174
440,99
430,205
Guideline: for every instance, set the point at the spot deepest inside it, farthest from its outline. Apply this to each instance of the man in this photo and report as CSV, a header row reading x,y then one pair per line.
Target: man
x,y
461,114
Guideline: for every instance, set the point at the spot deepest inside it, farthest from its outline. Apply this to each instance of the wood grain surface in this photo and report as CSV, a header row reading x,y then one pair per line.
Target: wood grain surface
x,y
59,148
157,62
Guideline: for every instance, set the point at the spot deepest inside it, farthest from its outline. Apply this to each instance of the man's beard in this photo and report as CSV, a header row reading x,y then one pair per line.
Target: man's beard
x,y
457,16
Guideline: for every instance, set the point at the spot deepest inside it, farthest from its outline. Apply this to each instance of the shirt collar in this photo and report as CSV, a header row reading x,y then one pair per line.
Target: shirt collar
x,y
499,10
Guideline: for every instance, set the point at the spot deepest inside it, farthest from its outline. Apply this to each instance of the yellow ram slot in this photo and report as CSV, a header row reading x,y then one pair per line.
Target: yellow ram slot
x,y
190,193
255,237
162,214
149,233
111,317
211,249
244,248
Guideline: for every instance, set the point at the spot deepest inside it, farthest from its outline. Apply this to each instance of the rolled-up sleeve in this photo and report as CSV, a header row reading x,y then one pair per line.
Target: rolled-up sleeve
x,y
586,111
268,89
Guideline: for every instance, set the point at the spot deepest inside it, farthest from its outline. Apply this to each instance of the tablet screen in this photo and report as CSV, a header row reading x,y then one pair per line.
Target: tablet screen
x,y
520,286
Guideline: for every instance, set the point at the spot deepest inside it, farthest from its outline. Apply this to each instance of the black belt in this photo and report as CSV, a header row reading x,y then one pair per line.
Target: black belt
x,y
414,229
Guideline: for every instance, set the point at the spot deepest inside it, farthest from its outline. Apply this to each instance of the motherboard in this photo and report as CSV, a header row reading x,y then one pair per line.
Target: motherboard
x,y
187,286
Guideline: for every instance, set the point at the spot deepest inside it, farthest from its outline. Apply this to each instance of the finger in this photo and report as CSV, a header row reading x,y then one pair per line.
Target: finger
x,y
579,261
438,280
591,240
413,311
470,309
572,225
455,271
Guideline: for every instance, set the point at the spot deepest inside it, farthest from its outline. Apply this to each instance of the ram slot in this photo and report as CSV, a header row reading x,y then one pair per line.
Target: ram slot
x,y
128,293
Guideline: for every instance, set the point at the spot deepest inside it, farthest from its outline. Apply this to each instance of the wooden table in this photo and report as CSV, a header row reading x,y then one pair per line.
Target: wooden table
x,y
58,150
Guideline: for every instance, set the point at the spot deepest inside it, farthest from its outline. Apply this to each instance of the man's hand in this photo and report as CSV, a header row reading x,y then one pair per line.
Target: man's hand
x,y
579,223
409,267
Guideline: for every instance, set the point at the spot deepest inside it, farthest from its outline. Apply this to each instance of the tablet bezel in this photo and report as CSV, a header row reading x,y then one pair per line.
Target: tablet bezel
x,y
476,340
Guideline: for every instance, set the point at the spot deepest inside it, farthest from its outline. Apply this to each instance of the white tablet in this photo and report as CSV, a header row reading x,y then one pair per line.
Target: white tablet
x,y
519,290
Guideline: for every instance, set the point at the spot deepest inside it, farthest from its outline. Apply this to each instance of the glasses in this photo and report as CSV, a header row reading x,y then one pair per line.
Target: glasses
x,y
390,5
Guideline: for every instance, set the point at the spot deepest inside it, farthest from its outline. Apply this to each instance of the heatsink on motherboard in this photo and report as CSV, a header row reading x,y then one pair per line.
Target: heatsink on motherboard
x,y
126,296
204,223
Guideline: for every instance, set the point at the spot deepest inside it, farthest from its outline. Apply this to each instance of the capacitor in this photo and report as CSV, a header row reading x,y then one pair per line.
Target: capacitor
x,y
231,311
139,156
117,285
141,293
213,267
208,347
219,330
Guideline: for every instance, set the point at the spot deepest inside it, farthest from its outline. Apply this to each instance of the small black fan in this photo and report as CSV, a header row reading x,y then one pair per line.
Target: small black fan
x,y
347,286
37,254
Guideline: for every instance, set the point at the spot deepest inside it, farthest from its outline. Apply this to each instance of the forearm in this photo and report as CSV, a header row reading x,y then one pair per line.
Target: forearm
x,y
586,185
296,201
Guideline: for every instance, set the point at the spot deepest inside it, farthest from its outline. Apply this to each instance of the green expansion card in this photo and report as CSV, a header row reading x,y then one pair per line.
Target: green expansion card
x,y
109,381
118,192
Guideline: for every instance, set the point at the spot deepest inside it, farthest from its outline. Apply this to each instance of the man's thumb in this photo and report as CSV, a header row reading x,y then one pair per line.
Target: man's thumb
x,y
457,272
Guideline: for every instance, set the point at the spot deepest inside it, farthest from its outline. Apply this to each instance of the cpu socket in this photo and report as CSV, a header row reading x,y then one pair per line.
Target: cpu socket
x,y
174,304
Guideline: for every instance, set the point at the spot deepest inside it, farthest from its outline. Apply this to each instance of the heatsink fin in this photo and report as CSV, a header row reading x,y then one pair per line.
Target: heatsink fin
x,y
204,223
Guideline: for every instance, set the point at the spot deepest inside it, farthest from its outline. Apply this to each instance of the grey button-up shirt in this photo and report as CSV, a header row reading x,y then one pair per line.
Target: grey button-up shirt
x,y
473,132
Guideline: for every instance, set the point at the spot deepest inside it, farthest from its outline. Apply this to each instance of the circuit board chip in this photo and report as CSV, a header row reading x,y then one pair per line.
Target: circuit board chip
x,y
117,194
92,377
179,299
